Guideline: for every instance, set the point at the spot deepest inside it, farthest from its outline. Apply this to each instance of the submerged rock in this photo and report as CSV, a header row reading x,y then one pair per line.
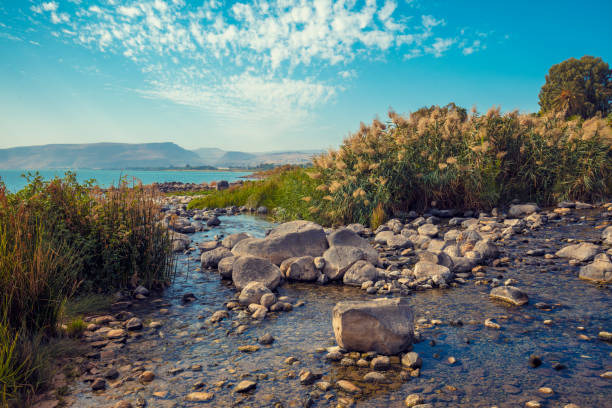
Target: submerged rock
x,y
389,325
509,294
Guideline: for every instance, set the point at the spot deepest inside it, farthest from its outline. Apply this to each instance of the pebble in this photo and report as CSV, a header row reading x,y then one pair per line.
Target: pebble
x,y
545,390
533,404
535,361
348,386
413,400
490,323
244,386
266,339
199,396
323,385
380,363
147,376
249,348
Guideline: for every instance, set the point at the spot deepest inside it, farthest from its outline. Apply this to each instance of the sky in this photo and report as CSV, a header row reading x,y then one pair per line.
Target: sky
x,y
271,74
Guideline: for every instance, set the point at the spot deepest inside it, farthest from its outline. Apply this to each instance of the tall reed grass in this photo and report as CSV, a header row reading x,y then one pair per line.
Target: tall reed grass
x,y
59,238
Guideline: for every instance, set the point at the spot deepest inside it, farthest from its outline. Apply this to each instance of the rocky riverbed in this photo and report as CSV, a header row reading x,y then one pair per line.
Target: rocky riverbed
x,y
502,316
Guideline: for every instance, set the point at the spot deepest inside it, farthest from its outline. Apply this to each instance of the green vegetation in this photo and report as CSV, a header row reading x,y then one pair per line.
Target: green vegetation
x,y
580,87
59,239
442,154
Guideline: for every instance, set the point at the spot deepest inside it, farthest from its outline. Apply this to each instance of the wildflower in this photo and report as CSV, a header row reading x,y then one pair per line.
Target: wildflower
x,y
451,160
306,199
442,166
328,198
335,186
322,187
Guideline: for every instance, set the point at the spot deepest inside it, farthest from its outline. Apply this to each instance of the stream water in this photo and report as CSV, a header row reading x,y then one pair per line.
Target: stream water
x,y
491,367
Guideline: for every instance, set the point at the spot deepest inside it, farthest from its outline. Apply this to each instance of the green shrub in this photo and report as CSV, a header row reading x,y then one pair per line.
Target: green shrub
x,y
75,327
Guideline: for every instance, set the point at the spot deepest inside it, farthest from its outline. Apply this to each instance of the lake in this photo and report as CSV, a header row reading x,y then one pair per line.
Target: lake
x,y
105,178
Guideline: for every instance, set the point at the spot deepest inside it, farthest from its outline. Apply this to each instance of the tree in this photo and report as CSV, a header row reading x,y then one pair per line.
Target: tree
x,y
578,87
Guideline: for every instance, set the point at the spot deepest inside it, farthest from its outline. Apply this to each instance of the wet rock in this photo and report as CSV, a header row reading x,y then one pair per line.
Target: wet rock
x,y
111,374
383,236
307,377
199,397
376,377
213,221
399,242
580,252
251,348
319,262
509,294
599,271
253,292
380,363
492,324
388,322
339,259
258,311
411,360
267,300
244,386
253,269
533,404
116,334
360,272
291,239
218,316
266,339
424,269
98,384
231,240
535,361
348,386
522,210
226,266
607,375
606,235
605,336
141,290
133,324
188,297
300,269
179,241
413,400
211,259
346,237
487,249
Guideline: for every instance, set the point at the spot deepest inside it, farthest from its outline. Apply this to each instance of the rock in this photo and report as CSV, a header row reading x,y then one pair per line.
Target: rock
x,y
428,230
248,269
606,235
231,240
533,404
348,386
300,269
323,385
412,360
599,271
346,237
399,242
133,324
258,311
380,363
213,221
607,375
388,322
487,249
535,361
424,269
251,348
245,385
307,377
141,290
116,333
267,300
383,236
226,266
211,259
376,377
199,396
180,242
413,400
218,316
509,294
605,336
123,404
111,374
291,239
188,297
360,272
253,292
581,252
319,262
339,259
98,384
147,376
491,324
266,339
522,210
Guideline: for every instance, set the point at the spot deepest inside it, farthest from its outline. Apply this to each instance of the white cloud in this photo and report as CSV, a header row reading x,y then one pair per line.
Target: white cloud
x,y
256,58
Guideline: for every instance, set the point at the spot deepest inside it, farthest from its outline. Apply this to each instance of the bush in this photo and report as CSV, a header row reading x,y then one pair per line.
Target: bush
x,y
59,238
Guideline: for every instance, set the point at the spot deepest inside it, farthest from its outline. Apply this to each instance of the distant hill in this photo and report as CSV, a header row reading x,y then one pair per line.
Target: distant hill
x,y
98,156
220,158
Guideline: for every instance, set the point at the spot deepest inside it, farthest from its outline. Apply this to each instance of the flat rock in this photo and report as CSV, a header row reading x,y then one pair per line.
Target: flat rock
x,y
245,385
522,210
581,252
199,396
509,294
348,386
598,271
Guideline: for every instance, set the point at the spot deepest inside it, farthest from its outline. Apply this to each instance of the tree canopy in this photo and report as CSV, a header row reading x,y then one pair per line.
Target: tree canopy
x,y
578,87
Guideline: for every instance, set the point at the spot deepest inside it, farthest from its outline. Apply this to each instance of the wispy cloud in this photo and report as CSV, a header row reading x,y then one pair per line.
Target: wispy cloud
x,y
256,59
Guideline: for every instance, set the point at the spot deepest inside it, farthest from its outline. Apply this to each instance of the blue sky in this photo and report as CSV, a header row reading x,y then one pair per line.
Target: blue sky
x,y
271,75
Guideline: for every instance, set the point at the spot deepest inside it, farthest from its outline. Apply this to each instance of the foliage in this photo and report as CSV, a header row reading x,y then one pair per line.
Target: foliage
x,y
578,87
58,238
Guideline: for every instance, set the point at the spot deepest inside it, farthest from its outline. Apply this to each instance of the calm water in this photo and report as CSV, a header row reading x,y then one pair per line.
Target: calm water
x,y
491,369
105,178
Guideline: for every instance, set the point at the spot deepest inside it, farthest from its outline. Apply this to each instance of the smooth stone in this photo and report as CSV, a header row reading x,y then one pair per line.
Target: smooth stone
x,y
510,294
245,385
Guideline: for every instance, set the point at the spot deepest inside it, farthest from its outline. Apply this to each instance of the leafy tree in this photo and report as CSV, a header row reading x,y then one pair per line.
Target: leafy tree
x,y
578,87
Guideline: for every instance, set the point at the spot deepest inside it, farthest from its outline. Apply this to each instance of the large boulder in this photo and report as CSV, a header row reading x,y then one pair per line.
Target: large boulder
x,y
580,252
231,240
521,210
247,269
509,294
300,269
210,259
360,272
486,248
599,271
225,267
385,326
339,259
292,239
347,237
252,293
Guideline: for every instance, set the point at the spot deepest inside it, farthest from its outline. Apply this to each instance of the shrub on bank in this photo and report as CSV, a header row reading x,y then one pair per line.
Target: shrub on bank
x,y
59,238
443,155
